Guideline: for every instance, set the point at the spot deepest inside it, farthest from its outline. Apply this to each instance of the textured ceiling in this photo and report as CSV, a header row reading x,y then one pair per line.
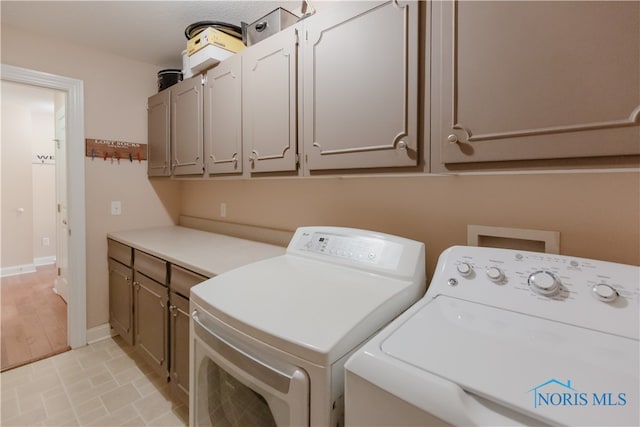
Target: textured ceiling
x,y
148,31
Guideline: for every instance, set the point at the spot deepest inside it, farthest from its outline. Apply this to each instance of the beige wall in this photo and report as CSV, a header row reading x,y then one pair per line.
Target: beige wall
x,y
597,214
115,95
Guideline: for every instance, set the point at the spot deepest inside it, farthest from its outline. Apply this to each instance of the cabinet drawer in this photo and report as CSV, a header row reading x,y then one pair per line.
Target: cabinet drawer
x,y
120,252
150,266
182,280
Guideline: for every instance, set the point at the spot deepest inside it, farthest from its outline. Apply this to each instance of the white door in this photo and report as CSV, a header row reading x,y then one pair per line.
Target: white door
x,y
61,285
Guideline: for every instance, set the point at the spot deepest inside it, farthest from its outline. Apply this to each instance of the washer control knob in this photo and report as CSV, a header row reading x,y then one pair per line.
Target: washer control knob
x,y
605,292
464,269
495,274
544,283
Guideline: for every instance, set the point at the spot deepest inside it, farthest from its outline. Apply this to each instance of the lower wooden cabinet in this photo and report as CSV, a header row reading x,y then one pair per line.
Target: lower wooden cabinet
x,y
121,299
120,261
151,311
180,282
179,342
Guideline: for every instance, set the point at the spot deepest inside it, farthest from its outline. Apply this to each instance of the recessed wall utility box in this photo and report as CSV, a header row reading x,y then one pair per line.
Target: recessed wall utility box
x,y
116,208
514,238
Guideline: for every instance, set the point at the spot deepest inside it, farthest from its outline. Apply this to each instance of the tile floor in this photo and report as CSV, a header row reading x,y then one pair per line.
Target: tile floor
x,y
102,384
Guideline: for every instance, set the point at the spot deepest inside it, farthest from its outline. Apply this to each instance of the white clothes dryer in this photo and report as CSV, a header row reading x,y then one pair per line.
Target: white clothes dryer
x,y
269,340
506,337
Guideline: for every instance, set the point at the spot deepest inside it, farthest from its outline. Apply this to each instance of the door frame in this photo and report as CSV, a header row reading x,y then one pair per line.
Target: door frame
x,y
77,301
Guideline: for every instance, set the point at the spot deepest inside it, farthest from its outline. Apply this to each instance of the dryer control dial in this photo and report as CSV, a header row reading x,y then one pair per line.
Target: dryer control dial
x,y
544,283
605,292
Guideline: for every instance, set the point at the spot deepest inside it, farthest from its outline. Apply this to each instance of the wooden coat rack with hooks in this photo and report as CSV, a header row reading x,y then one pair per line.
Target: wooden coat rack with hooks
x,y
106,149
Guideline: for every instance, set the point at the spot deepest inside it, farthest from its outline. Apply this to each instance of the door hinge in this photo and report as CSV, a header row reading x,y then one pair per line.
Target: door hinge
x,y
58,207
59,271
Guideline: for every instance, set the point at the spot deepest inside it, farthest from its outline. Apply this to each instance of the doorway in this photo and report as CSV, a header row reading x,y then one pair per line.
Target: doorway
x,y
34,318
75,191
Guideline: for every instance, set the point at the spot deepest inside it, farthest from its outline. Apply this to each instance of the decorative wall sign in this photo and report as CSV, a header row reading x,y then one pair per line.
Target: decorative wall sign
x,y
43,159
106,149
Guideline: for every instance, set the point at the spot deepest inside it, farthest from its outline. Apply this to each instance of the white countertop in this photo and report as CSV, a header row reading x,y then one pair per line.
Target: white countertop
x,y
209,254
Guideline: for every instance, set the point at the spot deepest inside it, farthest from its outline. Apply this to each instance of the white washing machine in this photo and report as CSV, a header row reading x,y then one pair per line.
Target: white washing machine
x,y
506,337
269,340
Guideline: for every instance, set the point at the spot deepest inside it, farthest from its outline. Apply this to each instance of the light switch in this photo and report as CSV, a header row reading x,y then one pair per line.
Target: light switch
x,y
116,208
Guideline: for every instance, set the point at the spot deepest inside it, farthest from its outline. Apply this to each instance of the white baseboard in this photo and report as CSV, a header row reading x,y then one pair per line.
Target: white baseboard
x,y
27,268
99,333
45,260
17,269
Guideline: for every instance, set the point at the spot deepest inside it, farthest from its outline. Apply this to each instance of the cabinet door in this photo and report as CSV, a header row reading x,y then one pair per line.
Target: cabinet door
x,y
361,86
186,127
159,134
223,117
121,299
179,339
269,103
535,80
151,322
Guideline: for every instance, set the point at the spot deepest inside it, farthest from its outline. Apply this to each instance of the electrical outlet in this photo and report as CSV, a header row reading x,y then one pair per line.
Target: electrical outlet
x,y
45,241
223,209
116,208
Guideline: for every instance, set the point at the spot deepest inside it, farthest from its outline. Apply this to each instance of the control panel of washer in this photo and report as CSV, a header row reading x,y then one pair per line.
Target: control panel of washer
x,y
598,295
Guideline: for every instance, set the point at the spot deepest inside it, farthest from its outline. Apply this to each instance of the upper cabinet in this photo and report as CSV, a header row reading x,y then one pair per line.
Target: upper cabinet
x,y
360,74
415,86
159,134
269,104
534,80
187,127
175,130
223,117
